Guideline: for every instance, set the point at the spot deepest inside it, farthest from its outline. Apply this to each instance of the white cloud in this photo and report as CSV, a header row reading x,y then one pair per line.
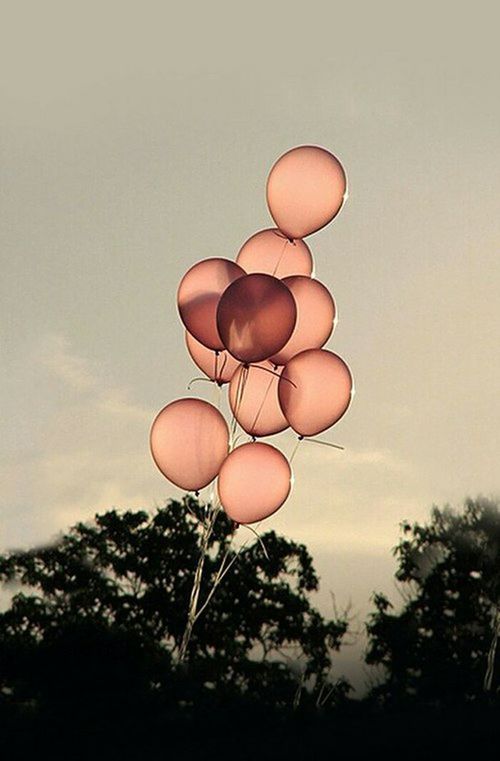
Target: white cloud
x,y
93,453
349,458
351,500
55,354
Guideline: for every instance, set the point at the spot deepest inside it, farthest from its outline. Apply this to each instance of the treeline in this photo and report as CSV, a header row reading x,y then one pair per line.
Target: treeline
x,y
90,644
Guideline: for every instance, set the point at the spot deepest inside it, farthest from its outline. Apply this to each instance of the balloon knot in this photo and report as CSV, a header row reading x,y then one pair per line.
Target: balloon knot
x,y
197,493
235,525
301,438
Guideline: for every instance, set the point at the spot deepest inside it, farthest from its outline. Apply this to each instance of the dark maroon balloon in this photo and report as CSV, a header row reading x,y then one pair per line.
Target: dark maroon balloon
x,y
256,317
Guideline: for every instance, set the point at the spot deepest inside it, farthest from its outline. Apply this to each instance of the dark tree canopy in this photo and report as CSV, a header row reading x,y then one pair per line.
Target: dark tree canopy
x,y
90,642
103,612
437,647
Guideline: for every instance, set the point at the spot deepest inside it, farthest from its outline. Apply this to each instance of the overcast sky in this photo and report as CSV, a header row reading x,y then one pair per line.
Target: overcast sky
x,y
136,139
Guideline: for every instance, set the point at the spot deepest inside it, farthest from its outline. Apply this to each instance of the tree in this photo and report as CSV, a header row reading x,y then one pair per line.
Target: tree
x,y
102,612
440,647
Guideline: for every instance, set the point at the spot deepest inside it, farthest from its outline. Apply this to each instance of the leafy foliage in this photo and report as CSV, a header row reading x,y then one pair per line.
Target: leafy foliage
x,y
103,611
436,648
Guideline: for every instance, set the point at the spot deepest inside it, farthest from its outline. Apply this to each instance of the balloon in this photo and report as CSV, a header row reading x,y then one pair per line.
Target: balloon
x,y
253,397
189,441
256,317
254,482
319,393
219,366
315,317
198,296
305,190
270,251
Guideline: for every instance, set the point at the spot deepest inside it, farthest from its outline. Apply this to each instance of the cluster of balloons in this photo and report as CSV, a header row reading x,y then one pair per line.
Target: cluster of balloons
x,y
259,324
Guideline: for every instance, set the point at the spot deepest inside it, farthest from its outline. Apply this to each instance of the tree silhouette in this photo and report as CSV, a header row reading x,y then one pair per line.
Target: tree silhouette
x,y
90,642
440,648
97,619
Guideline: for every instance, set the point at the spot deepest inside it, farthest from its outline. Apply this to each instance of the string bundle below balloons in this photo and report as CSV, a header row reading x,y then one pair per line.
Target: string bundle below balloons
x,y
258,325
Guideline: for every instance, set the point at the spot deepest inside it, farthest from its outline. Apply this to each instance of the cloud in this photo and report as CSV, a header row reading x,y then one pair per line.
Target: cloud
x,y
351,500
351,458
92,453
56,355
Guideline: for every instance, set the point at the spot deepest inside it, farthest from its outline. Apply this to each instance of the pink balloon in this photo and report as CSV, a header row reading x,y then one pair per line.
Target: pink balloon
x,y
253,397
270,251
198,296
254,482
219,366
315,317
256,317
319,393
305,190
189,441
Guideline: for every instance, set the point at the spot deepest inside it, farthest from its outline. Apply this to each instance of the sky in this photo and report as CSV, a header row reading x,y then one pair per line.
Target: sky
x,y
136,139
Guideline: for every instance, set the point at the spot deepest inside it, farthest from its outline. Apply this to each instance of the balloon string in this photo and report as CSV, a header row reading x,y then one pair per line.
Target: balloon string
x,y
294,451
216,356
261,406
273,372
195,380
233,418
280,257
240,388
324,443
258,538
233,424
208,526
244,374
211,511
217,395
224,363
